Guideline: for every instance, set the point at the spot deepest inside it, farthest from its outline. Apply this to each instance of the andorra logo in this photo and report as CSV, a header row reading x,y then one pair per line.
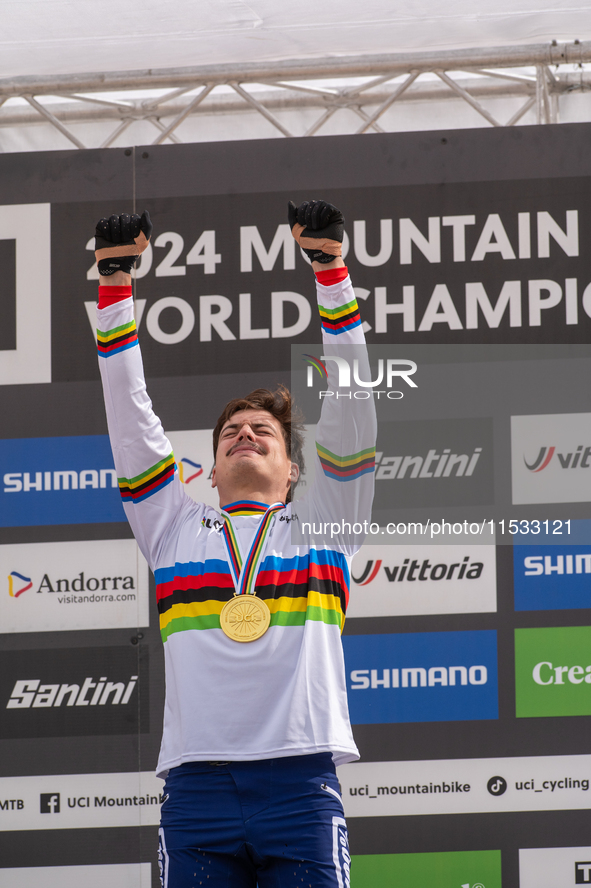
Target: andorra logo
x,y
13,578
190,468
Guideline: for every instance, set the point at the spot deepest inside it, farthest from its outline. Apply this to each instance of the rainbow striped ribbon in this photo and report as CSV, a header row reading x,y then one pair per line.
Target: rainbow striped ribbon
x,y
245,572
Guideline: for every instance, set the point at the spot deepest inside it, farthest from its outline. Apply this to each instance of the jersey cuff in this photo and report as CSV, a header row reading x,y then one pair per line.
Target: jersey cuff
x,y
111,295
332,276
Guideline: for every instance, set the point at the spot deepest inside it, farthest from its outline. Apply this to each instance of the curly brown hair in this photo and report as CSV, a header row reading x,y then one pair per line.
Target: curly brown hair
x,y
280,405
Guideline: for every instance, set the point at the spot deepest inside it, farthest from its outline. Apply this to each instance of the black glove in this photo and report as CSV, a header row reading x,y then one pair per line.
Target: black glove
x,y
318,228
119,240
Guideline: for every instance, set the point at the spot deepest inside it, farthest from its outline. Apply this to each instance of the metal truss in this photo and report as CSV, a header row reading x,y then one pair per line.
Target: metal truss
x,y
368,86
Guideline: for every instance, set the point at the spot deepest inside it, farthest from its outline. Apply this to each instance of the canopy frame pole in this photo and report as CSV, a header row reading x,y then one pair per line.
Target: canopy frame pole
x,y
248,97
463,94
389,101
155,121
521,111
54,121
167,131
117,132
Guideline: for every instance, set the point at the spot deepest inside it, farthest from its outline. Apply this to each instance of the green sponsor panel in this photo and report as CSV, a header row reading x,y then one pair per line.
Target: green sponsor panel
x,y
442,869
553,671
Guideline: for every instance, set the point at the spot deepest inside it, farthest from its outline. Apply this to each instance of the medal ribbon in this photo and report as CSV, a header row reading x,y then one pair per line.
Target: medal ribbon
x,y
245,573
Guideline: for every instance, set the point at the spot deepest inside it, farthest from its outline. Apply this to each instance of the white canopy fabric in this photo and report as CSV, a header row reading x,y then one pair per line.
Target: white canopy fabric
x,y
41,37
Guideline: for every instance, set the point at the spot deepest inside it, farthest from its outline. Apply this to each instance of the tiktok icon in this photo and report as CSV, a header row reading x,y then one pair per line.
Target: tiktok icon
x,y
496,786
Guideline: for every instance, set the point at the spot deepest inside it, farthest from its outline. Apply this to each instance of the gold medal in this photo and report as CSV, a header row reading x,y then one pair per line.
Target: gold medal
x,y
245,618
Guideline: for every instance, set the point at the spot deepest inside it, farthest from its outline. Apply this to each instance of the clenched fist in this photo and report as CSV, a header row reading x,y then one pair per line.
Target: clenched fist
x,y
119,240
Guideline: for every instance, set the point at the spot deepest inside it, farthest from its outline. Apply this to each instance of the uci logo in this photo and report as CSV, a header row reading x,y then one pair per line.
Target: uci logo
x,y
394,369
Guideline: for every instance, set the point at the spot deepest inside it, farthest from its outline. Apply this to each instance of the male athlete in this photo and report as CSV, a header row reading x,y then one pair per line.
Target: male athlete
x,y
256,708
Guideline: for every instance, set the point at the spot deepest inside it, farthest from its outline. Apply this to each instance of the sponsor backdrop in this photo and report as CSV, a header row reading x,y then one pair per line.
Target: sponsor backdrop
x,y
468,665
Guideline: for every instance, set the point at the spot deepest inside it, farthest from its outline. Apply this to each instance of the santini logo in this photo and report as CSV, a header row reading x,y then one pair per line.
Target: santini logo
x,y
578,459
433,465
17,482
395,370
30,693
410,571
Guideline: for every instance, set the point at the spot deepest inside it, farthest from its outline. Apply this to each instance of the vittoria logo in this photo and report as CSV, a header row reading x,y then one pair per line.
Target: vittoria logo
x,y
416,570
423,579
578,458
551,458
17,584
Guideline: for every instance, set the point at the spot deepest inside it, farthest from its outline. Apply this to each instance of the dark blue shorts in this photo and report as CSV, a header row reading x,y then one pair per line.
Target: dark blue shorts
x,y
276,823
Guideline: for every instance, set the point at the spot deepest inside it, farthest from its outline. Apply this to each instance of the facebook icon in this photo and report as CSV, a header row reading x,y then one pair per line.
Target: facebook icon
x,y
583,872
50,802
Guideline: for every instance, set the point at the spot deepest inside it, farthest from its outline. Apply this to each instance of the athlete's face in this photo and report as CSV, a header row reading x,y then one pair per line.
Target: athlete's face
x,y
252,460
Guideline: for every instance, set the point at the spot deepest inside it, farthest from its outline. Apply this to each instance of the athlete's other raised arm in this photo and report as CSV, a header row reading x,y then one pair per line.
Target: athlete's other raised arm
x,y
346,433
153,499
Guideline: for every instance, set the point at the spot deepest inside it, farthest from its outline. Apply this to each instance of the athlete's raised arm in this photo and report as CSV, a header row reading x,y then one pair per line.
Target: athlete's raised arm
x,y
346,433
152,496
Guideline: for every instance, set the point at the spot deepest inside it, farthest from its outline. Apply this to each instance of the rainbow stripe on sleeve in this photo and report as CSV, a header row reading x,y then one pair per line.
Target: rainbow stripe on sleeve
x,y
341,319
346,468
135,490
117,340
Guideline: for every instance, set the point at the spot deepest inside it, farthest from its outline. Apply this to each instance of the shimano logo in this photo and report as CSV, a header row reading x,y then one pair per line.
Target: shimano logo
x,y
418,677
25,482
536,565
30,693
